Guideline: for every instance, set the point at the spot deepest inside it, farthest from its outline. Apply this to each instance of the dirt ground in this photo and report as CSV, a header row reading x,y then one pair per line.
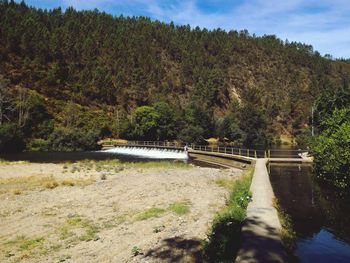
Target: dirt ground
x,y
107,213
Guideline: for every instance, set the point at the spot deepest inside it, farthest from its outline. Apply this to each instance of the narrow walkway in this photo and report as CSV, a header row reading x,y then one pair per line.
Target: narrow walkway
x,y
260,235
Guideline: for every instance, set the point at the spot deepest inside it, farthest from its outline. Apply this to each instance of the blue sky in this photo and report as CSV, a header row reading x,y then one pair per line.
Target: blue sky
x,y
325,24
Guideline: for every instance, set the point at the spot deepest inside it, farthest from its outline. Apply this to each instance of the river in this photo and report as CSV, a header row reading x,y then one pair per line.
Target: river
x,y
320,214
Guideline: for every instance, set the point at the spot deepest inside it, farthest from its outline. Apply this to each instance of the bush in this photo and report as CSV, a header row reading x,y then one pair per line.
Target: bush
x,y
192,134
331,149
63,139
38,145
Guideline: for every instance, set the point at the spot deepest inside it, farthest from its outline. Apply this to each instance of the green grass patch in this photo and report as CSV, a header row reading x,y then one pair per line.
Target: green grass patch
x,y
224,238
30,244
68,231
151,212
179,208
27,247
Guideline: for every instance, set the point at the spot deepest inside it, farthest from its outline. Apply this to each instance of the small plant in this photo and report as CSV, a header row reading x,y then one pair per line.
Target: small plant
x,y
158,229
17,192
136,251
103,177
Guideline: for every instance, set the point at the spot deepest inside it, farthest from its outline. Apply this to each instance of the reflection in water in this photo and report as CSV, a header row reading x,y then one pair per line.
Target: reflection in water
x,y
320,214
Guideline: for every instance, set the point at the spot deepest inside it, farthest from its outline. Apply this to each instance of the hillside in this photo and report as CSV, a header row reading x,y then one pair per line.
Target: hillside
x,y
86,71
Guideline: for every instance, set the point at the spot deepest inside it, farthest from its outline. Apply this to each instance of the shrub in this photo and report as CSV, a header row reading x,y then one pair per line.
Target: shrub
x,y
11,139
64,139
68,182
38,145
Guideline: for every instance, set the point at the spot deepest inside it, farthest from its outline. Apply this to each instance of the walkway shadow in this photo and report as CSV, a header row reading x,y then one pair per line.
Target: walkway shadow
x,y
177,249
261,243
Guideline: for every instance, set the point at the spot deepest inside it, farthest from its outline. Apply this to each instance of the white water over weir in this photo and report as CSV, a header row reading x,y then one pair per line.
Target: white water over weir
x,y
154,153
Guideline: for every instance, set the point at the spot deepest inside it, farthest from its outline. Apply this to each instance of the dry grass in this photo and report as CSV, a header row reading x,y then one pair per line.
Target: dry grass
x,y
51,184
5,162
226,183
20,185
77,182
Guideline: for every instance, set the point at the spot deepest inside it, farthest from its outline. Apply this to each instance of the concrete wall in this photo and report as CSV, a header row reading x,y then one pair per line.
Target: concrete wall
x,y
261,240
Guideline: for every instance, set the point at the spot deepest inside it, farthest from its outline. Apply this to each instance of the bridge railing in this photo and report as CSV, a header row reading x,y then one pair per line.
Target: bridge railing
x,y
254,153
157,144
231,151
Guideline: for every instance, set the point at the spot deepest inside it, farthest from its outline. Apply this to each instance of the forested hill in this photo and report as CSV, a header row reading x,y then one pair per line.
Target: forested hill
x,y
89,72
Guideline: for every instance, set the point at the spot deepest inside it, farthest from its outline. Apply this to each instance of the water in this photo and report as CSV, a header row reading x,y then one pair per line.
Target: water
x,y
320,214
60,157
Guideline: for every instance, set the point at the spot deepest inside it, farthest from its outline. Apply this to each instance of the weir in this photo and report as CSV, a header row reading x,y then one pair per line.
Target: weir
x,y
149,152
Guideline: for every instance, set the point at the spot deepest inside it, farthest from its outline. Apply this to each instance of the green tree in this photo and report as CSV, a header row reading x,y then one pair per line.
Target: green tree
x,y
228,127
146,123
167,129
331,149
192,134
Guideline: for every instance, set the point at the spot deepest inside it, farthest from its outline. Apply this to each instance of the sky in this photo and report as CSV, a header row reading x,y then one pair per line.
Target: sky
x,y
325,24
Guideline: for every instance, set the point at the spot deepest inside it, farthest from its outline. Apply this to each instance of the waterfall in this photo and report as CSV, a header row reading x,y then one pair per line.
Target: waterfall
x,y
153,153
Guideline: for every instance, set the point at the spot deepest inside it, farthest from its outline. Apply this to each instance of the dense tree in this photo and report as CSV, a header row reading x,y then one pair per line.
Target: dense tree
x,y
332,97
331,149
167,123
228,128
146,123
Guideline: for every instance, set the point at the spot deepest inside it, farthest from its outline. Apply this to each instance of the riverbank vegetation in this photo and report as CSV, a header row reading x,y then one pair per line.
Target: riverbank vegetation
x,y
331,147
225,236
69,78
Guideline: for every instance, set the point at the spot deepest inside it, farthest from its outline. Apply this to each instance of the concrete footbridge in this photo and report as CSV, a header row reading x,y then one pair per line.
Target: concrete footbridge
x,y
261,233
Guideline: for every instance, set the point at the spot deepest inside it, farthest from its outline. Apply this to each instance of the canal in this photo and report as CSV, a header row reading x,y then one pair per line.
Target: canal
x,y
320,214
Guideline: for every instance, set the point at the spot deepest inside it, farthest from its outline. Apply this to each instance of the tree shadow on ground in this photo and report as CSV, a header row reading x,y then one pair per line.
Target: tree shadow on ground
x,y
177,249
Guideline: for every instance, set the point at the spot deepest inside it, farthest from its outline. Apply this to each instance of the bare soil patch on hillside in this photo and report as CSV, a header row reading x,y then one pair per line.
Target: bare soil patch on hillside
x,y
107,212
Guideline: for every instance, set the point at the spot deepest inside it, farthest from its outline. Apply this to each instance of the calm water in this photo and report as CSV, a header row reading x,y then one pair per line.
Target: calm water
x,y
320,214
60,157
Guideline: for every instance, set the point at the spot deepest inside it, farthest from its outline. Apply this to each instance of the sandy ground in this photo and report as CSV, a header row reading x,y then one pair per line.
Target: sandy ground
x,y
72,213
